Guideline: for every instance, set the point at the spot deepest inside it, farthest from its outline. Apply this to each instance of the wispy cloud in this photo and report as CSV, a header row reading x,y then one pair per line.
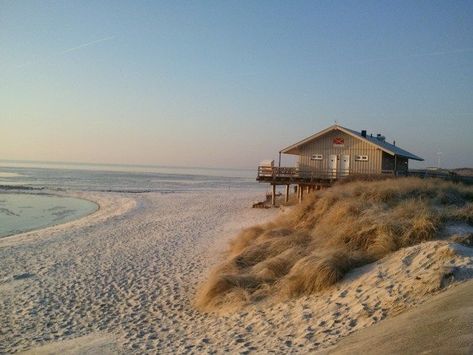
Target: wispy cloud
x,y
67,50
417,55
72,49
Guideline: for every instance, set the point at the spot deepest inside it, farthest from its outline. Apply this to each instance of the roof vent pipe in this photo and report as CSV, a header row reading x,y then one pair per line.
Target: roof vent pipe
x,y
363,133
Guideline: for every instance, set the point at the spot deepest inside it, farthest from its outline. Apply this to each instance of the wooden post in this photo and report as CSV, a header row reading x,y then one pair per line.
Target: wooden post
x,y
273,195
301,193
287,194
395,165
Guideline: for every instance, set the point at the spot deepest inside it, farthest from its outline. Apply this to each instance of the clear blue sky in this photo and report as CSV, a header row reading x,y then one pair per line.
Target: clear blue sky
x,y
229,83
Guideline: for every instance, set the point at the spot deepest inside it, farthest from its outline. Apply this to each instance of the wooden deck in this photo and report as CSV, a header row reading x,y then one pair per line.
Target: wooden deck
x,y
309,180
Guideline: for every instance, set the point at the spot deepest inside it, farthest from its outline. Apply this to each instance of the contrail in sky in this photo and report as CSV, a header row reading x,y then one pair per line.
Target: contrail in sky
x,y
462,50
68,50
430,54
86,45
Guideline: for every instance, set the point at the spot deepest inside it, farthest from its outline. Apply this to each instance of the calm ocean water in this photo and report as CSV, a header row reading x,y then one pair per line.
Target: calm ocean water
x,y
26,189
121,178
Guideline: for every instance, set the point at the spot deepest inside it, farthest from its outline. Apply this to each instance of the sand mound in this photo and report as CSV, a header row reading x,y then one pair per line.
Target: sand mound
x,y
440,326
314,246
93,344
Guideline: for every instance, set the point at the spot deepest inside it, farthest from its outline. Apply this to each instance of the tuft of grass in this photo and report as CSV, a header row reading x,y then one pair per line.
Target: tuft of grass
x,y
335,230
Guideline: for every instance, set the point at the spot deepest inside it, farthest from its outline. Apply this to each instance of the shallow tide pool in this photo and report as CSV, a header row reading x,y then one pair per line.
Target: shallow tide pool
x,y
24,212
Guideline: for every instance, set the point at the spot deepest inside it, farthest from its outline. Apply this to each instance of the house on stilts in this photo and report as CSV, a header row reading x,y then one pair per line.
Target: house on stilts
x,y
332,154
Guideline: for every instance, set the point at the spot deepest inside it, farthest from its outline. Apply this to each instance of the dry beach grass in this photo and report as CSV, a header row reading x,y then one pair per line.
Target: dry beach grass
x,y
313,247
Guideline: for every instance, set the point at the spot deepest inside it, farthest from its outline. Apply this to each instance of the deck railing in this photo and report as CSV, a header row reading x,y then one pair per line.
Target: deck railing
x,y
441,174
268,173
294,174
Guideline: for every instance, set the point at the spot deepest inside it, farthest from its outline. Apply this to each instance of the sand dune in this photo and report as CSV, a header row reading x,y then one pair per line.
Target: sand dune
x,y
443,325
123,280
92,344
315,245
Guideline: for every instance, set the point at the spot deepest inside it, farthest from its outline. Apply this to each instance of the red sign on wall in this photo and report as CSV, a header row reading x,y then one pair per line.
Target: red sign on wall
x,y
338,142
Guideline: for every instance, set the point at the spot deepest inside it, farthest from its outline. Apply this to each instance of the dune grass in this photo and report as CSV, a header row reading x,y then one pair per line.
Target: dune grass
x,y
314,245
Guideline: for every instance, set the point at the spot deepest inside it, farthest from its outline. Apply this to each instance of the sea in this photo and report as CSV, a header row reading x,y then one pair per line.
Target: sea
x,y
27,189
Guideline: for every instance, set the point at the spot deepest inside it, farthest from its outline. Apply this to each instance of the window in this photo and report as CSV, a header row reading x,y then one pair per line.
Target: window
x,y
361,158
316,157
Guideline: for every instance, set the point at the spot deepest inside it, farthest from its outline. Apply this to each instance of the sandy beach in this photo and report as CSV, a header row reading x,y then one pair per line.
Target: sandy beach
x,y
123,279
127,272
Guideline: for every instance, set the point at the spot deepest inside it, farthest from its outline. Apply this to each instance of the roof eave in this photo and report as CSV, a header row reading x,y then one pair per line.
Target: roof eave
x,y
308,139
417,158
412,157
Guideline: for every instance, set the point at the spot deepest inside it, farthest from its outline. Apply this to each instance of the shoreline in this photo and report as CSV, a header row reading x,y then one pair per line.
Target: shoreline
x,y
55,194
102,202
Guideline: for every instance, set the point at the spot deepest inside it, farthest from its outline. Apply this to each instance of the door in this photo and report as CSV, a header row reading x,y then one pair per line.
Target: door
x,y
332,166
344,165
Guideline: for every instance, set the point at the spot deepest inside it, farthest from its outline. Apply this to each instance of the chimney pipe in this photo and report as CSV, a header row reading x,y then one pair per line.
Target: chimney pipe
x,y
363,133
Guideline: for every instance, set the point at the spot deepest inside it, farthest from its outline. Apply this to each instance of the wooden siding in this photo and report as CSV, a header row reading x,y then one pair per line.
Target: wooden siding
x,y
352,147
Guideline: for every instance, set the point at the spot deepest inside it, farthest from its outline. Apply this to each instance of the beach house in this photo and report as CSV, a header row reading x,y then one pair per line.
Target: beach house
x,y
335,153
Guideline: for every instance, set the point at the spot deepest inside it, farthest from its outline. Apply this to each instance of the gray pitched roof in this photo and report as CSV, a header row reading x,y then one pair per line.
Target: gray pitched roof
x,y
383,145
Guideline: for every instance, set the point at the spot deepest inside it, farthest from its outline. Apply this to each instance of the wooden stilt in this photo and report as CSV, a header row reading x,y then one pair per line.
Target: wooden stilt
x,y
273,195
301,193
287,194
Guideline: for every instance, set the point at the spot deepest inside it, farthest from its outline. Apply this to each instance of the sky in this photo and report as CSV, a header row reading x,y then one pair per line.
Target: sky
x,y
230,83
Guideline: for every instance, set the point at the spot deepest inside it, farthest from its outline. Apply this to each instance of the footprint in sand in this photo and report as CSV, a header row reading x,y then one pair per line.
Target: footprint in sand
x,y
352,323
307,315
23,276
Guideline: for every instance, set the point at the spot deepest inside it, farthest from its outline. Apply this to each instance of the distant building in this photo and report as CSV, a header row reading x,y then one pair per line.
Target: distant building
x,y
334,153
